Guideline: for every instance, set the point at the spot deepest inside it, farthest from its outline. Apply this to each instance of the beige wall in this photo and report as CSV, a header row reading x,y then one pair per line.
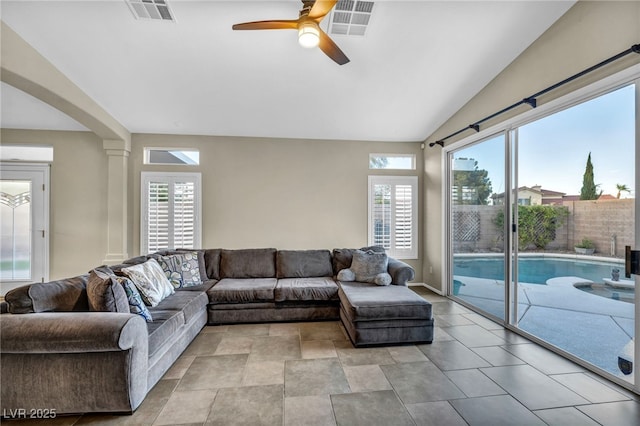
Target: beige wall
x,y
288,194
78,203
587,34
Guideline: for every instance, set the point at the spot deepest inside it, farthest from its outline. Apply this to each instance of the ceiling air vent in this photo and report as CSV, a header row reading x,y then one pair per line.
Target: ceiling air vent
x,y
150,9
350,17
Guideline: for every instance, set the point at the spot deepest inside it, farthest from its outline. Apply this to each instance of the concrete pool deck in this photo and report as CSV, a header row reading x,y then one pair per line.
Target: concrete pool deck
x,y
592,327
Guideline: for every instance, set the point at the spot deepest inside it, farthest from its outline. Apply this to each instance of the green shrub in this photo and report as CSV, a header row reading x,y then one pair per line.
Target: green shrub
x,y
586,244
536,224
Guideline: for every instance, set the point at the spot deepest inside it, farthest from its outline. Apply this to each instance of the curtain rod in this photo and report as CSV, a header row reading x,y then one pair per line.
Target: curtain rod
x,y
532,100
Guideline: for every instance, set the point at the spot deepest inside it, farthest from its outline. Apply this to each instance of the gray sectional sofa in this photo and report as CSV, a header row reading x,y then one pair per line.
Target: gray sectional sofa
x,y
55,353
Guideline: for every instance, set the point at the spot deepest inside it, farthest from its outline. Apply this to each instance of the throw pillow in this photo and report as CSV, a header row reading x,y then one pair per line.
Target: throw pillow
x,y
181,269
150,280
346,275
105,294
136,305
371,267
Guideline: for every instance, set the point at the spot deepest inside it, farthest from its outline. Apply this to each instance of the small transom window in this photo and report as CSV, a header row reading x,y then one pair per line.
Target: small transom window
x,y
392,161
189,157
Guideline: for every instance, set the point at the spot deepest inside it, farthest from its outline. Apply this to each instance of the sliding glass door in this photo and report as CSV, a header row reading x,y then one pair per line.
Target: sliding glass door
x,y
576,196
539,217
477,239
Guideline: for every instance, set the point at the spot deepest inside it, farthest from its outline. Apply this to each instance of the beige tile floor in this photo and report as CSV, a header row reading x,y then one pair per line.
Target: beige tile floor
x,y
474,373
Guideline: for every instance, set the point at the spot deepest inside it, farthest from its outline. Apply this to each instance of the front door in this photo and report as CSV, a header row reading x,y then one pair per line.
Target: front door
x,y
24,222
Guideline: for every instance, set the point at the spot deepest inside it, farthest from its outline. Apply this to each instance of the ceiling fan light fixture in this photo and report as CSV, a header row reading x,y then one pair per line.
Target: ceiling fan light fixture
x,y
308,34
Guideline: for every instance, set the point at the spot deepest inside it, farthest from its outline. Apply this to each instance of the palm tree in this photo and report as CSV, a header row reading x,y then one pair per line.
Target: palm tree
x,y
621,187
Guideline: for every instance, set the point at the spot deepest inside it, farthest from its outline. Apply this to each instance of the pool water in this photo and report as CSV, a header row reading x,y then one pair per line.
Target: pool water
x,y
604,290
535,270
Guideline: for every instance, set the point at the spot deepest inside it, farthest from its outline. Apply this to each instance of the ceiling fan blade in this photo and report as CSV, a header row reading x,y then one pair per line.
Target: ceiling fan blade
x,y
331,49
268,25
321,8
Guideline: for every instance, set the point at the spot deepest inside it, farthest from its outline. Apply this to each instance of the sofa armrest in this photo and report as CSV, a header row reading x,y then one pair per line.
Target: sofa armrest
x,y
400,272
64,332
73,362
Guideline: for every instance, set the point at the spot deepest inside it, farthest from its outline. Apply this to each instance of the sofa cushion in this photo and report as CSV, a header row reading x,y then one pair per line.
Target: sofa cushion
x,y
212,263
136,305
18,300
248,263
191,303
150,280
67,295
181,269
200,288
165,324
303,263
105,293
370,267
369,302
314,289
243,290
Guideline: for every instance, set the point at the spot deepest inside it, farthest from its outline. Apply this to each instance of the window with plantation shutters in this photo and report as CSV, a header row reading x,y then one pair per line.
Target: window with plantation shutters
x,y
170,211
393,212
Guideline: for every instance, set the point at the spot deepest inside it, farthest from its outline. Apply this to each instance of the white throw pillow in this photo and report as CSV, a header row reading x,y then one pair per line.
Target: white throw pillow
x,y
150,280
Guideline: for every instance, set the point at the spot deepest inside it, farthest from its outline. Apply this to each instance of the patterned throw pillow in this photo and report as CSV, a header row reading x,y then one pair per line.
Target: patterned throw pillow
x,y
182,269
150,281
136,305
104,293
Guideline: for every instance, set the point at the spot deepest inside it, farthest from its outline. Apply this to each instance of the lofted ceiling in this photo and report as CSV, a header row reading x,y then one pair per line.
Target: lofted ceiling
x,y
417,64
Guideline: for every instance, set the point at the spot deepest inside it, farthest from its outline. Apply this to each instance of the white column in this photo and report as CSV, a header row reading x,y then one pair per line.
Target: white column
x,y
117,196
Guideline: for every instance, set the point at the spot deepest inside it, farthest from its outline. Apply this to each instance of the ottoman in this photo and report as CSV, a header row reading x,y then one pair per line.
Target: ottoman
x,y
384,315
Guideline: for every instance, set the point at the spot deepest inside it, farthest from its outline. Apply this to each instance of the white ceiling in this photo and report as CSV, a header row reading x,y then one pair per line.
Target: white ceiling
x,y
419,62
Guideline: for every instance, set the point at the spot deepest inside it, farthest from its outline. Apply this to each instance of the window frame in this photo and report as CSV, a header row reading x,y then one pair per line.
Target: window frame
x,y
170,178
393,251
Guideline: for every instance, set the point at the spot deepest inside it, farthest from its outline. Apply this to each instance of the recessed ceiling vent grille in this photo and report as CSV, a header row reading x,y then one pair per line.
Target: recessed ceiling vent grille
x,y
157,10
350,17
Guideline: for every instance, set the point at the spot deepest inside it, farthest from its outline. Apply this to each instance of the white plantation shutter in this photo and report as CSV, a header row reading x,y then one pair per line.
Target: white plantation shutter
x,y
403,217
382,216
157,216
393,212
170,211
184,215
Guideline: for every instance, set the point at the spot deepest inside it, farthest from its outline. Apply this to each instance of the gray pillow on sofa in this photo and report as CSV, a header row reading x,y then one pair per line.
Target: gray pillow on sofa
x,y
105,293
342,258
370,267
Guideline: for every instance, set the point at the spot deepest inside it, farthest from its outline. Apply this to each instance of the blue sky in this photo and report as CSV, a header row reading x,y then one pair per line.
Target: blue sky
x,y
553,151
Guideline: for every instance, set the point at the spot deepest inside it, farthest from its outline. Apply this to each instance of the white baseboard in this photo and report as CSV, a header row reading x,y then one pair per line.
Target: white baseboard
x,y
435,290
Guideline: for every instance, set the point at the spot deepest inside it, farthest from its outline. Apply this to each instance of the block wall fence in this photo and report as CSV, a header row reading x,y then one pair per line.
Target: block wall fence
x,y
609,224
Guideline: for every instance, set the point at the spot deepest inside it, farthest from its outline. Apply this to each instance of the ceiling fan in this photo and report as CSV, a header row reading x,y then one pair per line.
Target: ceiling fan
x,y
309,32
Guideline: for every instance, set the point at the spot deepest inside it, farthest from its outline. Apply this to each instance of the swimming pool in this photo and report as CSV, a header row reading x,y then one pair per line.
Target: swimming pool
x,y
603,290
535,270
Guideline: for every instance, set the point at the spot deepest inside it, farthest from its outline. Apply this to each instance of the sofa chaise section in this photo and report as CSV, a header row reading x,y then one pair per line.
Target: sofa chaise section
x,y
387,315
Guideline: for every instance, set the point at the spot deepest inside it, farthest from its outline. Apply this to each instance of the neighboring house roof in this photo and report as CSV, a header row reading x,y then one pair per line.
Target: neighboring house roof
x,y
548,192
607,197
520,189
